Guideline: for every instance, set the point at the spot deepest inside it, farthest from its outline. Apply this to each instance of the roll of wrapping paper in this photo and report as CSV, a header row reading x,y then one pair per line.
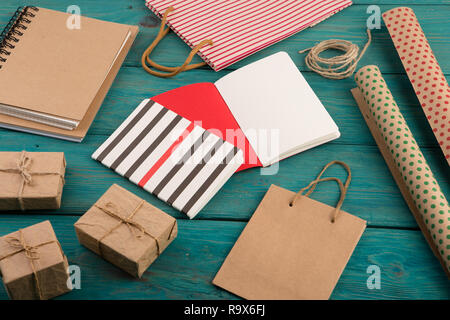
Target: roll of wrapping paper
x,y
405,160
423,71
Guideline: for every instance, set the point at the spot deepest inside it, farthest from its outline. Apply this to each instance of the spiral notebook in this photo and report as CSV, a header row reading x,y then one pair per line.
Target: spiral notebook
x,y
240,28
53,77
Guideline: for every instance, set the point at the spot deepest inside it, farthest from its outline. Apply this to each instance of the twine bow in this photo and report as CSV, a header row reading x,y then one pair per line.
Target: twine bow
x,y
131,224
31,253
22,168
23,165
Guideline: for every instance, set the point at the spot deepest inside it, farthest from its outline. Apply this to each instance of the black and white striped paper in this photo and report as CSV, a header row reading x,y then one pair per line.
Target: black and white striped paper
x,y
173,158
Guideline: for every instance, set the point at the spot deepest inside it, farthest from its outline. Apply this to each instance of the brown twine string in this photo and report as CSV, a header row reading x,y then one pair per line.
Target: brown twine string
x,y
346,167
124,220
313,184
23,165
170,71
337,67
30,252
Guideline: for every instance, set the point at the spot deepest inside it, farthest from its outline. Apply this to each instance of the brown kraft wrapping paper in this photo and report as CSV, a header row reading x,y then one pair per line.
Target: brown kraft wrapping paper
x,y
32,263
126,230
424,72
405,160
31,180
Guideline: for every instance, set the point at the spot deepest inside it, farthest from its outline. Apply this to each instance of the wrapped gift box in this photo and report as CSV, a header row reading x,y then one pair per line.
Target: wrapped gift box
x,y
126,230
31,180
32,263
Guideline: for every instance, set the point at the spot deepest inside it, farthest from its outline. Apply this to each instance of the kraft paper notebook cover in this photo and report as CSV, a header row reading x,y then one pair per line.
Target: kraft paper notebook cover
x,y
55,78
241,28
261,113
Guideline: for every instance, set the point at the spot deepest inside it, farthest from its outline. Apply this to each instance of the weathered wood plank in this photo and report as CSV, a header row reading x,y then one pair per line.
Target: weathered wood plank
x,y
185,270
348,24
132,85
373,194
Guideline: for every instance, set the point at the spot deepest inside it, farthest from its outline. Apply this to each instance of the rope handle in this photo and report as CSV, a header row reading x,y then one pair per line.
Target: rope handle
x,y
170,71
313,184
343,164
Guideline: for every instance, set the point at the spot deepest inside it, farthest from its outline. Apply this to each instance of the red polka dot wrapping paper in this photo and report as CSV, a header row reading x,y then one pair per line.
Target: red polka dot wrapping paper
x,y
423,70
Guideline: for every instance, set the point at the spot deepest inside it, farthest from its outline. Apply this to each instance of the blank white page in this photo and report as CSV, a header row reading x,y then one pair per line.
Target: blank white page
x,y
276,108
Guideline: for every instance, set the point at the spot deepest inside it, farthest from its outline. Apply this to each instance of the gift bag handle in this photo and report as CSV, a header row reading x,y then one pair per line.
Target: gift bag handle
x,y
343,164
343,187
170,71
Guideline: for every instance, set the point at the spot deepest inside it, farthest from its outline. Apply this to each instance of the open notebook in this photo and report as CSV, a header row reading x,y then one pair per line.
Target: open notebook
x,y
266,108
53,77
258,114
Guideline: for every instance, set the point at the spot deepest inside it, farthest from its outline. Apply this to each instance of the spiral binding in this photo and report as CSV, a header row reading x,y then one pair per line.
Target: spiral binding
x,y
11,33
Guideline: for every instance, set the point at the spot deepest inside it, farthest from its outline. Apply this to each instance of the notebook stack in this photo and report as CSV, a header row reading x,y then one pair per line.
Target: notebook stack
x,y
54,77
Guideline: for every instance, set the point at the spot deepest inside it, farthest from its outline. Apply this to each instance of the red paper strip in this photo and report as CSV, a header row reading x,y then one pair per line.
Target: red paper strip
x,y
165,156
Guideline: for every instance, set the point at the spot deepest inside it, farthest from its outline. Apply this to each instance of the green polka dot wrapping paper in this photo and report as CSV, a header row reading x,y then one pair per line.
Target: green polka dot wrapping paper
x,y
407,163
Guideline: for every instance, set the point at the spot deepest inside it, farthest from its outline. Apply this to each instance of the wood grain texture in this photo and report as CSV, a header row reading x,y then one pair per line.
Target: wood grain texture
x,y
185,269
373,194
133,85
349,25
392,240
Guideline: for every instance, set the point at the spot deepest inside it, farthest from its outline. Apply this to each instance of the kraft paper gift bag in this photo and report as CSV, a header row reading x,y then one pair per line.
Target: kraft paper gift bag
x,y
293,247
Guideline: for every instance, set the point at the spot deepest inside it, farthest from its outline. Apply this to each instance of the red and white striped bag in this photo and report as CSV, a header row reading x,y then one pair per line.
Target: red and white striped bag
x,y
223,32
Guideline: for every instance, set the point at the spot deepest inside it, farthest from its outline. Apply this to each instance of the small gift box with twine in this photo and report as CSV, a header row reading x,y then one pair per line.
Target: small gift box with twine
x,y
32,263
126,230
31,180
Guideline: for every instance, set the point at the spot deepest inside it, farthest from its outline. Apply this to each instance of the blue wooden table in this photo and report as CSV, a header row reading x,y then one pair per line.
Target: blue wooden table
x,y
392,240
